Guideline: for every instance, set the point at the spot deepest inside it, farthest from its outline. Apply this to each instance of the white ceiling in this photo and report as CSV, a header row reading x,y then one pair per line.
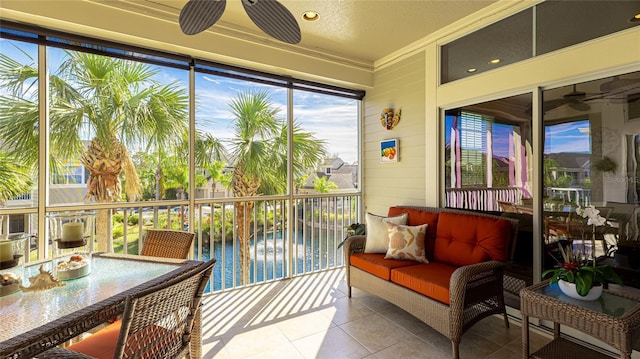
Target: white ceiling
x,y
365,30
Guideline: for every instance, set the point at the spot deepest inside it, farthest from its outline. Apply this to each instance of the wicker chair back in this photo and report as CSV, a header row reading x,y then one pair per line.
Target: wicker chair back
x,y
167,243
158,321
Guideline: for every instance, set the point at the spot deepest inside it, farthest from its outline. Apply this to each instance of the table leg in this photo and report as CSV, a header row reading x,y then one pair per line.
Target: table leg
x,y
525,337
556,330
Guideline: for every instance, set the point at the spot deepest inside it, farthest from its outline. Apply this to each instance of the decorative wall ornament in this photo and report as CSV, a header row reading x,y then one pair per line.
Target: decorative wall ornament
x,y
388,119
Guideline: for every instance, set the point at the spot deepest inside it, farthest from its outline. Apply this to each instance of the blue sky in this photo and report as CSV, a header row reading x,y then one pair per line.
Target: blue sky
x,y
332,119
566,137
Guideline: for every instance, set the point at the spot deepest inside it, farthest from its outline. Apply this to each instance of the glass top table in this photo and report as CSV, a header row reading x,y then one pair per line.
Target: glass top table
x,y
609,303
613,319
47,318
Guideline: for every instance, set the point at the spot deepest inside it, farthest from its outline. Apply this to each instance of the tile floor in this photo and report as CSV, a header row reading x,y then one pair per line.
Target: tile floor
x,y
311,317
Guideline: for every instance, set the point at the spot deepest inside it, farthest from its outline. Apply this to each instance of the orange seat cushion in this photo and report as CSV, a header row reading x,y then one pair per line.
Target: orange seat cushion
x,y
429,279
465,239
416,218
374,263
102,344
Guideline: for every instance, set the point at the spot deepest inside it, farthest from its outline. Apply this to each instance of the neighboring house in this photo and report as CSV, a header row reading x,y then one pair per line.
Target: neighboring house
x,y
575,165
344,175
68,187
221,191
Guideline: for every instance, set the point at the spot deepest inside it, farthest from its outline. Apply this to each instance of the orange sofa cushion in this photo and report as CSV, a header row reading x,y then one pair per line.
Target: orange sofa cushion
x,y
374,263
430,279
416,218
465,239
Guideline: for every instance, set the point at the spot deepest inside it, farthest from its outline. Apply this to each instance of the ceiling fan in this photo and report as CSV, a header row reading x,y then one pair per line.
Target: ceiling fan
x,y
575,100
617,83
269,15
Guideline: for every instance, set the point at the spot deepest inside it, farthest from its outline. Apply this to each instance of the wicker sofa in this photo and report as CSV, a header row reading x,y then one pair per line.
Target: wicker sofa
x,y
463,280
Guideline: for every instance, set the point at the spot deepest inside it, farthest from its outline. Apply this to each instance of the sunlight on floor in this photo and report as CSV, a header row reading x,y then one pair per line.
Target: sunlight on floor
x,y
311,317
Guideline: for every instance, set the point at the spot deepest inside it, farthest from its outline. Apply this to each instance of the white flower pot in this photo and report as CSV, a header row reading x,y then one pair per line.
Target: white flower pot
x,y
569,289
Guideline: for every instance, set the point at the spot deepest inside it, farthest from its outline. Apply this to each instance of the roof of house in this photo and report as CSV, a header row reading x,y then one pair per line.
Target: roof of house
x,y
342,174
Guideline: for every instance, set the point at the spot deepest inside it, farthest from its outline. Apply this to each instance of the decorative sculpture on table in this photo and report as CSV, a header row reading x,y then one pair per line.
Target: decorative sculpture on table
x,y
42,281
388,119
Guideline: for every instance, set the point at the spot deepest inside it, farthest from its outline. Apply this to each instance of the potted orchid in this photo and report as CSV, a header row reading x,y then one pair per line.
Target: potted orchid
x,y
578,275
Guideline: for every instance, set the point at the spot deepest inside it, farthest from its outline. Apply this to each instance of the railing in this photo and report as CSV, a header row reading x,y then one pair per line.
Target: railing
x,y
286,238
280,246
481,198
22,197
576,196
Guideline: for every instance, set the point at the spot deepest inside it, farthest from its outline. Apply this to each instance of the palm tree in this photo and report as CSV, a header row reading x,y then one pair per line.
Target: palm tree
x,y
211,156
177,176
14,179
115,100
259,156
324,185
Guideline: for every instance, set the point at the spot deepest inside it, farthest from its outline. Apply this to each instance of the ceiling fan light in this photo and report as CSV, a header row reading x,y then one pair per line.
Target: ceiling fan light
x,y
310,15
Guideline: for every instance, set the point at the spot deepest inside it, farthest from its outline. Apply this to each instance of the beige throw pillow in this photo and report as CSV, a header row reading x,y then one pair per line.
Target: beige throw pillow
x,y
377,232
406,242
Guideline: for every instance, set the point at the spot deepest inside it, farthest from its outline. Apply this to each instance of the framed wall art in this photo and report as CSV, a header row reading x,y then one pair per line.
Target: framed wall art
x,y
389,150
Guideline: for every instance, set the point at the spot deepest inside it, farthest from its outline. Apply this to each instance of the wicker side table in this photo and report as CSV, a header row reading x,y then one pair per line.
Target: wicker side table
x,y
614,319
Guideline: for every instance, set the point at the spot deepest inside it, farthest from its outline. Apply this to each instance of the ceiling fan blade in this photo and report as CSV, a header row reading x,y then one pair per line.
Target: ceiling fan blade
x,y
274,19
551,104
617,83
198,15
580,106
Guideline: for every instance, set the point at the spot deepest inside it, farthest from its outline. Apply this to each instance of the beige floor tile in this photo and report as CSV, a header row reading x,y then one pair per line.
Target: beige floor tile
x,y
405,320
304,325
214,349
504,353
536,341
375,332
412,347
332,344
254,341
474,346
493,329
345,310
436,339
311,317
285,351
371,301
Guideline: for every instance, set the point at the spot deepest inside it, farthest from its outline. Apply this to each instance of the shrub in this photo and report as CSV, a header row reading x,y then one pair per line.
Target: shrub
x,y
133,219
118,217
118,231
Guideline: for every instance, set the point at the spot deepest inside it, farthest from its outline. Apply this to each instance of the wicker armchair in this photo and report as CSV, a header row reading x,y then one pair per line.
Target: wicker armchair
x,y
157,322
167,243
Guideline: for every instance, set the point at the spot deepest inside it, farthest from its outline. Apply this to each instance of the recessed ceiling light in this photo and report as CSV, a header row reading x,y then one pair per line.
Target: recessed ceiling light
x,y
473,69
635,18
310,15
494,61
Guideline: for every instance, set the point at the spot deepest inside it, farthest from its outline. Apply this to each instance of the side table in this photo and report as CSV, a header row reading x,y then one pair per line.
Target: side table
x,y
614,319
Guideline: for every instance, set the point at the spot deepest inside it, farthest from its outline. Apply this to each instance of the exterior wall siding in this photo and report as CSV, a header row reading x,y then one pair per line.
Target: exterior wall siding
x,y
399,86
